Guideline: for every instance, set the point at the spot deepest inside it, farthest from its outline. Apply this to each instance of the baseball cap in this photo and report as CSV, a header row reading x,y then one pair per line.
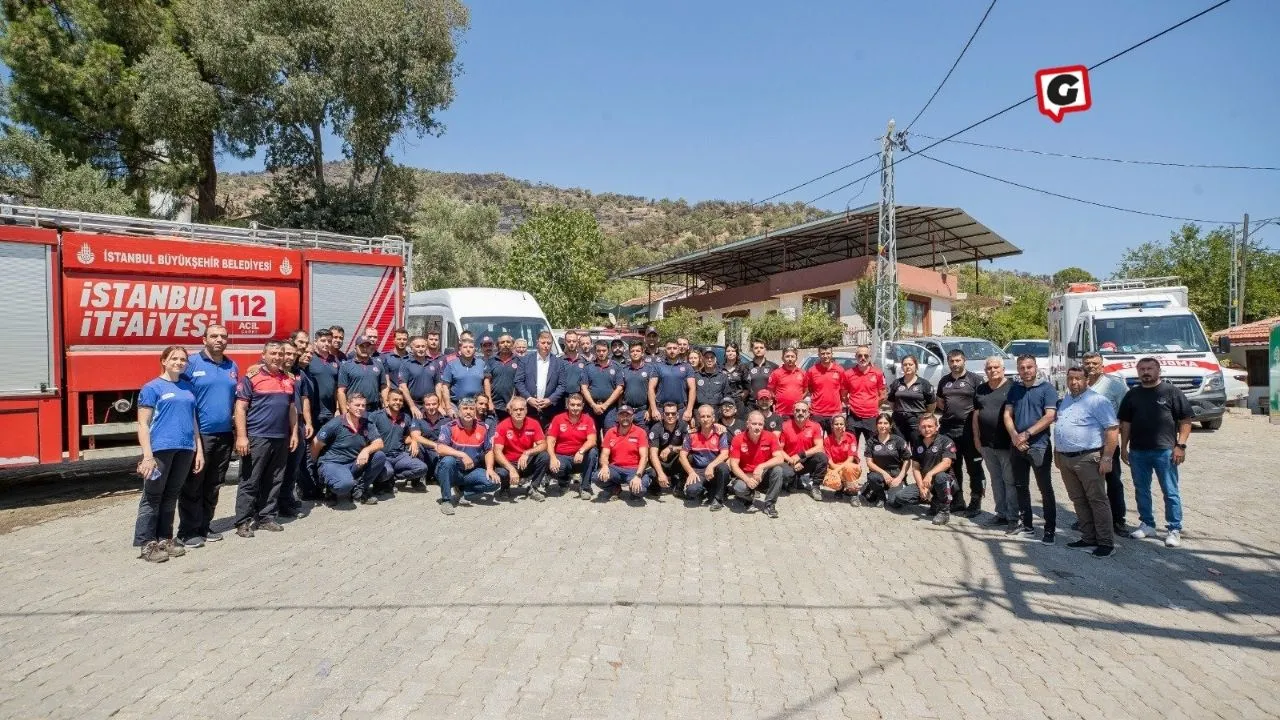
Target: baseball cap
x,y
486,340
729,401
362,340
625,408
708,351
764,394
651,330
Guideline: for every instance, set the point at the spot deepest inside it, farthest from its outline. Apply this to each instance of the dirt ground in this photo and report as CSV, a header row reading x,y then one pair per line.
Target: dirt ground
x,y
27,504
30,497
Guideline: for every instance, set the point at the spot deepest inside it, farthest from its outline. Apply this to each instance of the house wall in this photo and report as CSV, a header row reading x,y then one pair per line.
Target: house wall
x,y
787,290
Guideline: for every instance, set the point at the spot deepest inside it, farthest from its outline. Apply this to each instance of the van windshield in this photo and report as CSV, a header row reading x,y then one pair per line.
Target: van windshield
x,y
1149,334
517,327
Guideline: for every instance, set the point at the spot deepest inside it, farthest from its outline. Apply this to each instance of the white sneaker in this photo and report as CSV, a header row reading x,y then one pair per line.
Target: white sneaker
x,y
1144,531
1173,539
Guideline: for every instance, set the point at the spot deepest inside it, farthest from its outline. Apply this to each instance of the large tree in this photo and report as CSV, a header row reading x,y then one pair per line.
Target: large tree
x,y
555,257
34,172
1066,276
73,78
1202,261
358,73
456,244
153,91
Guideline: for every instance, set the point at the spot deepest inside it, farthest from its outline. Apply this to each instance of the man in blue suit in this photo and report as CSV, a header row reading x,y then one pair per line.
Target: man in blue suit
x,y
540,379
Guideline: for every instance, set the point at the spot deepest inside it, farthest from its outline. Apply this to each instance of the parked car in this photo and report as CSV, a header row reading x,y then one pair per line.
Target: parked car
x,y
1038,349
931,355
1237,381
845,360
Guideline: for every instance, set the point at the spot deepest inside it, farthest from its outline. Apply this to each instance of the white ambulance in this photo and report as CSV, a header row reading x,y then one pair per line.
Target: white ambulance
x,y
1127,320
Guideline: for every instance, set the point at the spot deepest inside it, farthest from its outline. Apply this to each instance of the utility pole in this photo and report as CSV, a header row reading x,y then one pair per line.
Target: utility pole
x,y
1233,280
1240,268
886,319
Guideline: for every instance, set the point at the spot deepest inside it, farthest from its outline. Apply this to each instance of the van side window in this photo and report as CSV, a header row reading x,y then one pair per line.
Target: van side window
x,y
420,325
1086,337
451,339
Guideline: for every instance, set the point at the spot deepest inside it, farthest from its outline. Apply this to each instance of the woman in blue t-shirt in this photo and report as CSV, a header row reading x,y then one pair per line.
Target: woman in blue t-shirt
x,y
170,452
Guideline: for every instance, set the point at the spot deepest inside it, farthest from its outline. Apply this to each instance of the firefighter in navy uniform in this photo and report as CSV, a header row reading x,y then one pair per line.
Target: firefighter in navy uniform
x,y
399,353
417,376
397,427
266,426
323,370
671,382
601,385
651,350
362,373
635,384
500,376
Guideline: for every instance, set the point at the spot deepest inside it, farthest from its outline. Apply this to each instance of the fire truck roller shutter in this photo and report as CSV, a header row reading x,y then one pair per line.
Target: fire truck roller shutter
x,y
26,323
355,297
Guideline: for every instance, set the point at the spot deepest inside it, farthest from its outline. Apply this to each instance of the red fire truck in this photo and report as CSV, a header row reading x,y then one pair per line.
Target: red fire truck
x,y
88,301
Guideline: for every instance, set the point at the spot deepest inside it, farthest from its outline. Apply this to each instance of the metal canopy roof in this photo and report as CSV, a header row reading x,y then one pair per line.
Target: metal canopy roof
x,y
928,237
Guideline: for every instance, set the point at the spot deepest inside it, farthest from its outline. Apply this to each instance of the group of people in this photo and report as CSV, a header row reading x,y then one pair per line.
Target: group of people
x,y
497,421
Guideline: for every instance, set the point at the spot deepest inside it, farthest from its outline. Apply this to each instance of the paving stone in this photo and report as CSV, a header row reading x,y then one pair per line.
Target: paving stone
x,y
567,609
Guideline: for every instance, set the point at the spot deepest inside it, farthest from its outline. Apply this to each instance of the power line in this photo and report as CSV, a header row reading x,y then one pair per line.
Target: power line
x,y
807,183
1207,166
1072,198
1029,98
946,77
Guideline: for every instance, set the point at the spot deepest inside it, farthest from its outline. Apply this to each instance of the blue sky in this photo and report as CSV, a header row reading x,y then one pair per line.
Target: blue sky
x,y
737,100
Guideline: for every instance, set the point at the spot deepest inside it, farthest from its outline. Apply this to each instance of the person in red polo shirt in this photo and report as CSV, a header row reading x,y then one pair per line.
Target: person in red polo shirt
x,y
787,384
571,445
866,389
825,384
756,458
624,453
520,451
806,465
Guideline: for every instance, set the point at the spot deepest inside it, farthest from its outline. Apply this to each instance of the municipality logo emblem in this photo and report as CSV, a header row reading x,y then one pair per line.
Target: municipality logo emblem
x,y
85,256
286,267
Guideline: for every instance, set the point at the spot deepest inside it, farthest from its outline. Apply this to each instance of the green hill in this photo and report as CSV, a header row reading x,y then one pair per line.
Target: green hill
x,y
467,208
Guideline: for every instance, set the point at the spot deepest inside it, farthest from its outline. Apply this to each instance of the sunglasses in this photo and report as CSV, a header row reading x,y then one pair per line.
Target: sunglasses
x,y
862,356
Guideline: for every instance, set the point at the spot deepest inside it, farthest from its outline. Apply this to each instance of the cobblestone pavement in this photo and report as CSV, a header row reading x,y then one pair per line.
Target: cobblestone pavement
x,y
571,609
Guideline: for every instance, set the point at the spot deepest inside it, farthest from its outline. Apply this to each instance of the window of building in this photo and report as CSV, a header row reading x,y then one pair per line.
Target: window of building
x,y
917,316
828,301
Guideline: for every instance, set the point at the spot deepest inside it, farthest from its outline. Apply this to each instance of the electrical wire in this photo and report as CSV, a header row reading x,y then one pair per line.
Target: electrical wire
x,y
807,183
1072,198
946,77
1206,166
1027,99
